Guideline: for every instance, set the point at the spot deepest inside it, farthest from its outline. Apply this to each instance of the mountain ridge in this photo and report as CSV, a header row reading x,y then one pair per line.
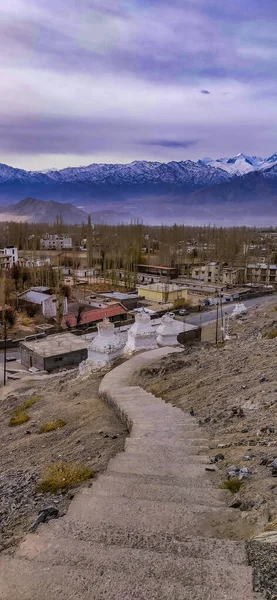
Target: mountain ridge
x,y
151,191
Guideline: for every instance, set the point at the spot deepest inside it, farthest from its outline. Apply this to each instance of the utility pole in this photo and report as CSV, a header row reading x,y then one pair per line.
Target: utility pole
x,y
221,313
5,328
216,330
59,303
5,346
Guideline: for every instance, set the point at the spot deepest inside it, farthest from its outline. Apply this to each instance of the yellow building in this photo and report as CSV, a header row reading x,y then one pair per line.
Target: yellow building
x,y
162,292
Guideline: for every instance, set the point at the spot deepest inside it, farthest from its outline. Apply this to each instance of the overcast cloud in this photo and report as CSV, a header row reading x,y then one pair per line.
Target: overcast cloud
x,y
117,80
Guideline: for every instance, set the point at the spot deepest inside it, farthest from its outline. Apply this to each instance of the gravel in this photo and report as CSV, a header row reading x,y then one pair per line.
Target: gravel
x,y
263,558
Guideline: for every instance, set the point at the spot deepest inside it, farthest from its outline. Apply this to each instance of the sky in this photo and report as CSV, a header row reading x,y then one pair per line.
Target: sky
x,y
86,81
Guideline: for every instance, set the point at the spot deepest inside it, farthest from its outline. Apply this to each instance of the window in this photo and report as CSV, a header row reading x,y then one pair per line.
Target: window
x,y
58,359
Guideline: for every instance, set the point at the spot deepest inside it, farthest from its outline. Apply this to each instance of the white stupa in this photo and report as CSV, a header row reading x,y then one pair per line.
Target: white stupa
x,y
141,336
103,350
168,331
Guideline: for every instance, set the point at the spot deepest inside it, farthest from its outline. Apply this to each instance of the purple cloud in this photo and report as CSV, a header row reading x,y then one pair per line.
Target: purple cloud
x,y
58,58
170,143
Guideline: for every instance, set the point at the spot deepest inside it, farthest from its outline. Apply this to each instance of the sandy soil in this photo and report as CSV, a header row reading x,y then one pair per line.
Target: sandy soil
x,y
92,435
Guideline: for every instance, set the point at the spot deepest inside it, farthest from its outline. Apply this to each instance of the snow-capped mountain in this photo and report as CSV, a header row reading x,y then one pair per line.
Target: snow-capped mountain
x,y
144,188
207,171
240,164
139,172
87,183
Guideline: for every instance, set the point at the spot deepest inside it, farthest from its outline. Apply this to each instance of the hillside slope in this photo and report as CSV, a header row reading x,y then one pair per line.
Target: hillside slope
x,y
41,211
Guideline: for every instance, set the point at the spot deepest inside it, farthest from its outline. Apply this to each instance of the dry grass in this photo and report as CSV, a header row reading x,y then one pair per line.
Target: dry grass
x,y
30,402
272,526
26,322
52,426
270,335
233,485
61,475
19,417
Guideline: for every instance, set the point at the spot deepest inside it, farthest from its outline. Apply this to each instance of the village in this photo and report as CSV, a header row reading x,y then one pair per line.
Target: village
x,y
55,296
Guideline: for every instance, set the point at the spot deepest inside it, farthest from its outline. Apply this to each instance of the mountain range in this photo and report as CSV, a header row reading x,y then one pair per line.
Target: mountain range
x,y
236,189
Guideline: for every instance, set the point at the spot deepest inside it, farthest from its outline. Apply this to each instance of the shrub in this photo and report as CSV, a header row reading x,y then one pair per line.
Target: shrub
x,y
18,418
26,322
52,426
62,475
233,485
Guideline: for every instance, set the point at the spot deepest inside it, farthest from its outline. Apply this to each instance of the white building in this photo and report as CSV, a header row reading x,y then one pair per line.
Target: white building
x,y
56,242
8,257
32,262
46,303
261,273
209,273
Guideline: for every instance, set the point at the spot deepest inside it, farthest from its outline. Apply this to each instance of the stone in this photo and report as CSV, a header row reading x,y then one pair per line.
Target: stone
x,y
238,472
235,502
274,467
104,349
51,512
141,336
218,457
240,309
264,461
244,472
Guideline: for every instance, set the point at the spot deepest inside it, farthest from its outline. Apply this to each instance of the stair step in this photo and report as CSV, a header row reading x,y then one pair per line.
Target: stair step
x,y
202,483
125,463
167,456
182,544
186,446
134,562
129,487
165,439
25,580
142,515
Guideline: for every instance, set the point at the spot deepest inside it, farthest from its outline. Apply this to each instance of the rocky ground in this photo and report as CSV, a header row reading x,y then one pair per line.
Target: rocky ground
x,y
232,390
92,435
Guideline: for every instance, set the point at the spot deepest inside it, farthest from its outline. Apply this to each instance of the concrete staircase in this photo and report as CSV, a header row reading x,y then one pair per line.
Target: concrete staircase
x,y
144,530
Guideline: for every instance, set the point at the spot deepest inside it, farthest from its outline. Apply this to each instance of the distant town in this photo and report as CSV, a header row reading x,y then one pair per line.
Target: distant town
x,y
59,279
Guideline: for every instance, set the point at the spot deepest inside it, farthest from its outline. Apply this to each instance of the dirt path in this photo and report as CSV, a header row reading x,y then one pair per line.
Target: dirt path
x,y
92,434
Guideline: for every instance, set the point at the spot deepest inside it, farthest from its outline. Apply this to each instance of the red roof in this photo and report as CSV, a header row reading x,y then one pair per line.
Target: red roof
x,y
92,316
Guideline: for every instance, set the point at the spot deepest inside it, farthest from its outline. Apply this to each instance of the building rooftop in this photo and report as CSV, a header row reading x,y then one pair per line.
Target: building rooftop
x,y
34,297
157,267
91,316
40,288
261,266
119,296
55,345
162,287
